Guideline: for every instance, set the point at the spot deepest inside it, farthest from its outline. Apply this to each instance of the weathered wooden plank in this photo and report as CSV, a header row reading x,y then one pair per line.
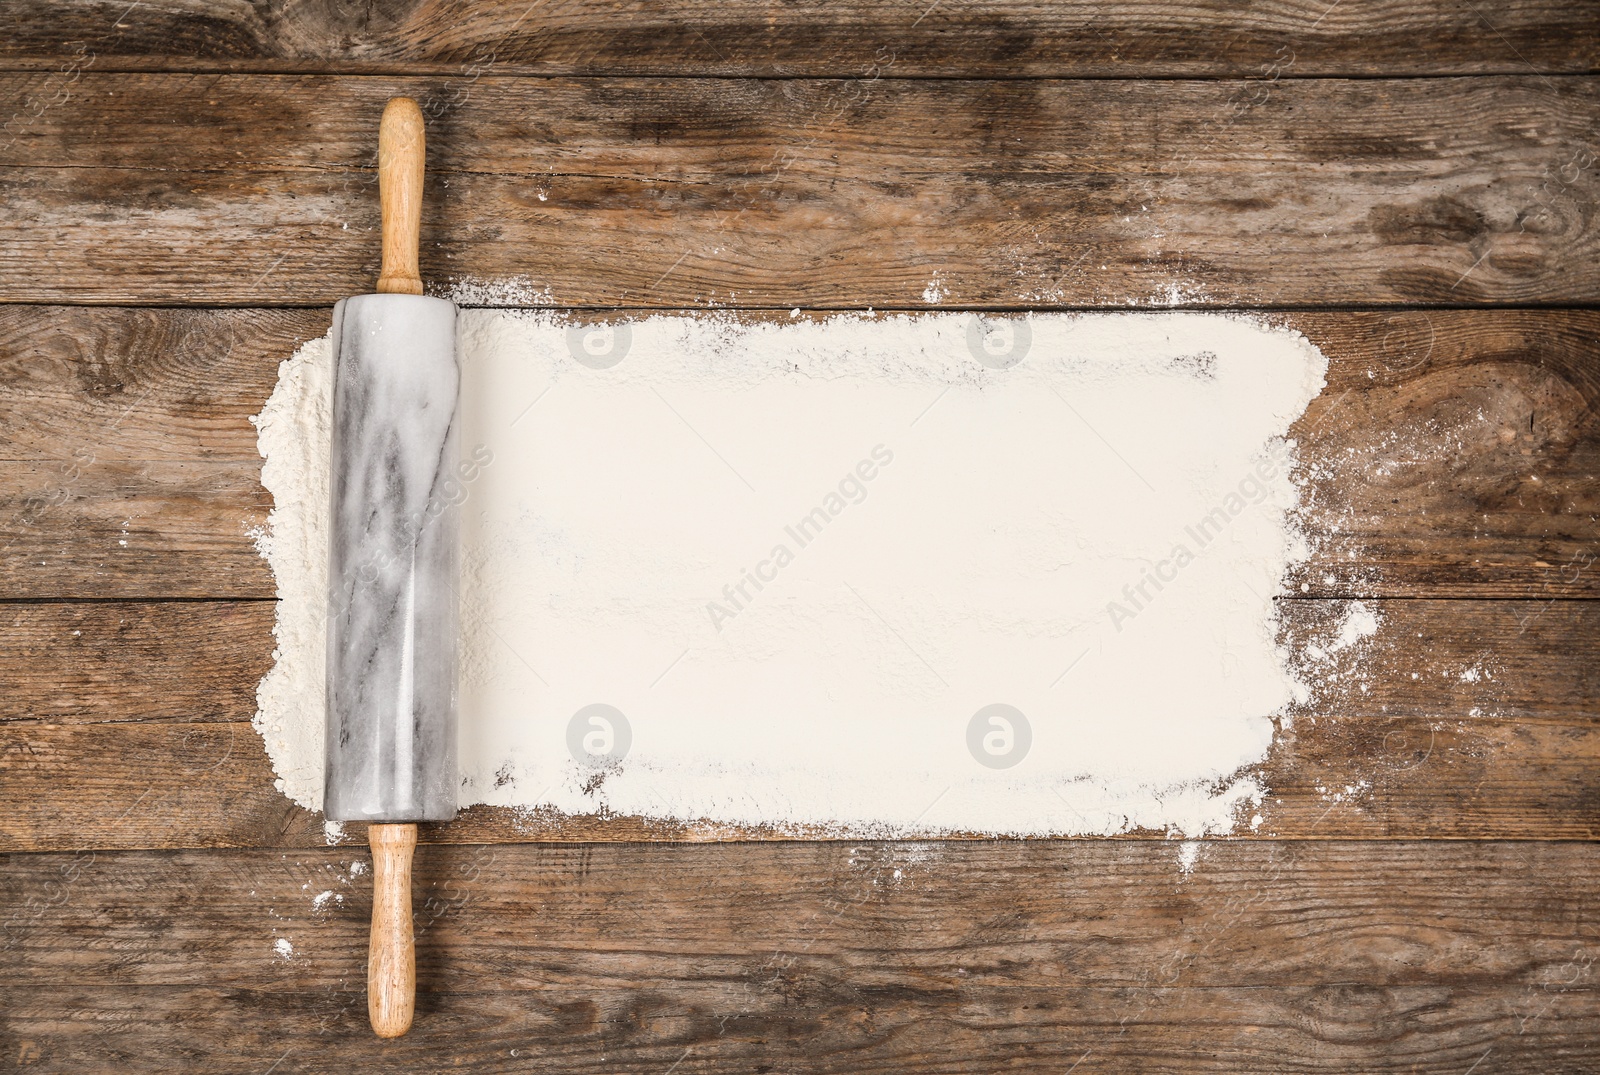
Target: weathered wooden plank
x,y
188,189
199,661
1114,913
862,957
1453,452
1462,437
183,661
1458,720
820,1024
117,528
159,385
1139,38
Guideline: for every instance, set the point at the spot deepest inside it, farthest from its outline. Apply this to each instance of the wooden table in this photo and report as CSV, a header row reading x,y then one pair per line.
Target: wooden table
x,y
1413,185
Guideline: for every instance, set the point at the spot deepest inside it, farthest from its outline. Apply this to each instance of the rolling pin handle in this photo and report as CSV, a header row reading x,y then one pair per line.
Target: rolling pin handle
x,y
392,954
401,144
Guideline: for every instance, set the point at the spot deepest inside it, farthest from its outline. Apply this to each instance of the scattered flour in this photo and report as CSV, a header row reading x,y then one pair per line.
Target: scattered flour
x,y
876,575
509,291
293,432
284,949
1360,623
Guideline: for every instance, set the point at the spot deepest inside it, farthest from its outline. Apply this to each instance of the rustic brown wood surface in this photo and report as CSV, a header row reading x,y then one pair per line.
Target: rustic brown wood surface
x,y
991,38
1413,185
780,193
822,957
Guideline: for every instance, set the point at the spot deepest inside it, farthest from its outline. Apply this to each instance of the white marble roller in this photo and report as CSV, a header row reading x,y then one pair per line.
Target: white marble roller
x,y
392,570
391,741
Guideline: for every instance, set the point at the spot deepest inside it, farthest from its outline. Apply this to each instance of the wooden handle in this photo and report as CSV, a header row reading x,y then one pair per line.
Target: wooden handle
x,y
391,955
401,150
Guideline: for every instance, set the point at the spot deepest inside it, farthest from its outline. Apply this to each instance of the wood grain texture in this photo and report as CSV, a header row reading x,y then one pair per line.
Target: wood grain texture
x,y
402,164
256,190
187,526
185,662
867,957
1452,453
1459,719
823,1024
997,38
1249,913
391,941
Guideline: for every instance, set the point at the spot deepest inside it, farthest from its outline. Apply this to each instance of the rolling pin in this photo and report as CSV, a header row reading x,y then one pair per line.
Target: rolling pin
x,y
391,669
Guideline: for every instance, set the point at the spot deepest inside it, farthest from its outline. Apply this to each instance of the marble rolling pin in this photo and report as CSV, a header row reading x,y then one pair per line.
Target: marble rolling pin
x,y
391,736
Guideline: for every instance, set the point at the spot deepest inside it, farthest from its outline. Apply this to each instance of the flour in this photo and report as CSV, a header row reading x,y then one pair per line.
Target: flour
x,y
507,291
859,575
1322,663
293,433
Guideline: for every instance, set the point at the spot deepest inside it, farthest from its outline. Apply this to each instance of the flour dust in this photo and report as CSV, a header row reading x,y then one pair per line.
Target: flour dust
x,y
857,575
